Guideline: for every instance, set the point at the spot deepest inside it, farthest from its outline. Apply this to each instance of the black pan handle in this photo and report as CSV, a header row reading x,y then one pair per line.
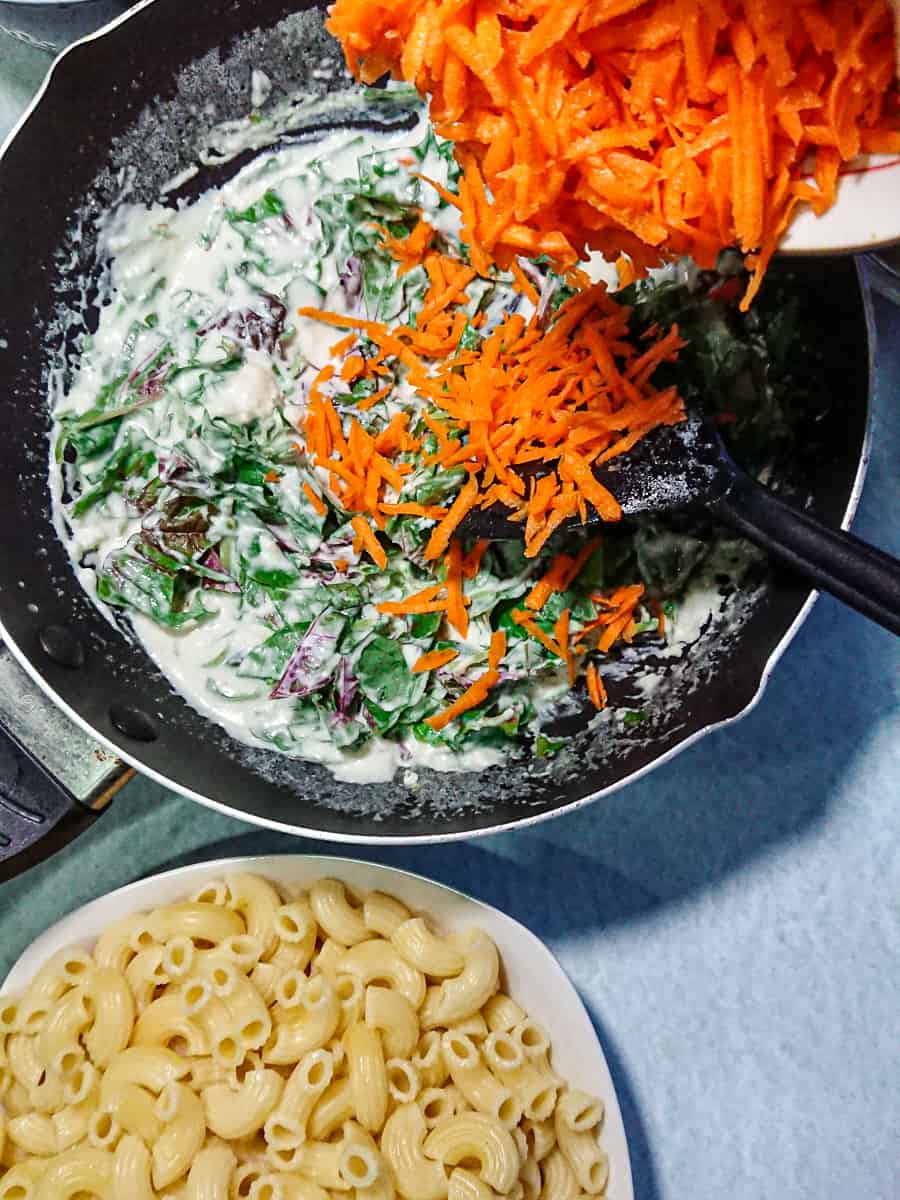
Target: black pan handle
x,y
859,574
55,780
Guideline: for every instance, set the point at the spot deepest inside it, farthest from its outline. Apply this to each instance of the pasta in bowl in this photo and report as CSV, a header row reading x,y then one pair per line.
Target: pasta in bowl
x,y
294,1028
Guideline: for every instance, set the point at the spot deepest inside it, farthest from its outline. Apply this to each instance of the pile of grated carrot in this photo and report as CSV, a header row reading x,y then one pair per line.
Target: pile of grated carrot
x,y
566,394
657,128
564,398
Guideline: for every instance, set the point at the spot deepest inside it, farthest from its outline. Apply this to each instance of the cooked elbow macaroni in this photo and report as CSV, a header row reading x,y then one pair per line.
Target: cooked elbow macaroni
x,y
249,1043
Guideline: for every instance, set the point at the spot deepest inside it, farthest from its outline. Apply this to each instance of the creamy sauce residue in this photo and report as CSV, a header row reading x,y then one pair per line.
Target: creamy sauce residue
x,y
188,660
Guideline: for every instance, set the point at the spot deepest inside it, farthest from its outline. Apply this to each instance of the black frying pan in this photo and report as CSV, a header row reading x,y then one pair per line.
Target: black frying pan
x,y
130,105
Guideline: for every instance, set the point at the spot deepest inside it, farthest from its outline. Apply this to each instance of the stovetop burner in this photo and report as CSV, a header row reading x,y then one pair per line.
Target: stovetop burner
x,y
29,803
54,779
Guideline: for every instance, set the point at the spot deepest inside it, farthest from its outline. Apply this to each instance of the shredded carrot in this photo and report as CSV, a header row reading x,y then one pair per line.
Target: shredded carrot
x,y
561,637
463,503
370,401
409,251
574,467
434,660
315,500
340,321
471,698
432,307
271,476
523,283
444,193
549,583
431,512
369,542
353,367
563,571
573,394
649,128
399,607
497,649
530,625
341,565
615,617
625,270
472,561
342,346
411,608
660,619
457,617
614,630
596,690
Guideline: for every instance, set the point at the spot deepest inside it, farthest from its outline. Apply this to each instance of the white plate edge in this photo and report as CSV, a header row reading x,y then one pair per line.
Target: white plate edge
x,y
874,189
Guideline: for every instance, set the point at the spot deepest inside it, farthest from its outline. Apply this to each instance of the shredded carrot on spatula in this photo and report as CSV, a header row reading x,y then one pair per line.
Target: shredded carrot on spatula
x,y
657,128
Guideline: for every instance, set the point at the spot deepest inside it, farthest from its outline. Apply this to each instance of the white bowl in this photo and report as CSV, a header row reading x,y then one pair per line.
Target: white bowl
x,y
865,215
532,974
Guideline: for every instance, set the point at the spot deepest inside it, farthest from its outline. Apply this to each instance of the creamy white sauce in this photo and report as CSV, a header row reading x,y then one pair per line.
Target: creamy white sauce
x,y
189,660
246,395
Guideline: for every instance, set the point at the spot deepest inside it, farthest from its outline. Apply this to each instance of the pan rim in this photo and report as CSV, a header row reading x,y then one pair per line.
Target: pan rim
x,y
519,822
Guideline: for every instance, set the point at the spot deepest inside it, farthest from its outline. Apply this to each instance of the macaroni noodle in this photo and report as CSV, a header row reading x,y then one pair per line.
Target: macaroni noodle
x,y
340,919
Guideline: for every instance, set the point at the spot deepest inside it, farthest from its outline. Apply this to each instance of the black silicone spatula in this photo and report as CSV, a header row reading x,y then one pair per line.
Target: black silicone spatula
x,y
686,466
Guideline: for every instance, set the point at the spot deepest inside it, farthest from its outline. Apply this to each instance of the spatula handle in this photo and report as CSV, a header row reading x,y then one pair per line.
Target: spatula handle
x,y
865,578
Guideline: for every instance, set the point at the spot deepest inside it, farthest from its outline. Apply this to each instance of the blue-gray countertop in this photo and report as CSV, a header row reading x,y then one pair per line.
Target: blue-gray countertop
x,y
731,921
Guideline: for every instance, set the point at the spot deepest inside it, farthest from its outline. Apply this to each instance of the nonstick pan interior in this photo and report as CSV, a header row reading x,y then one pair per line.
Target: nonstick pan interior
x,y
123,113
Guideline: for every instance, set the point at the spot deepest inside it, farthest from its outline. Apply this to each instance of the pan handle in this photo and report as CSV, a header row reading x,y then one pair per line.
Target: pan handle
x,y
55,780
